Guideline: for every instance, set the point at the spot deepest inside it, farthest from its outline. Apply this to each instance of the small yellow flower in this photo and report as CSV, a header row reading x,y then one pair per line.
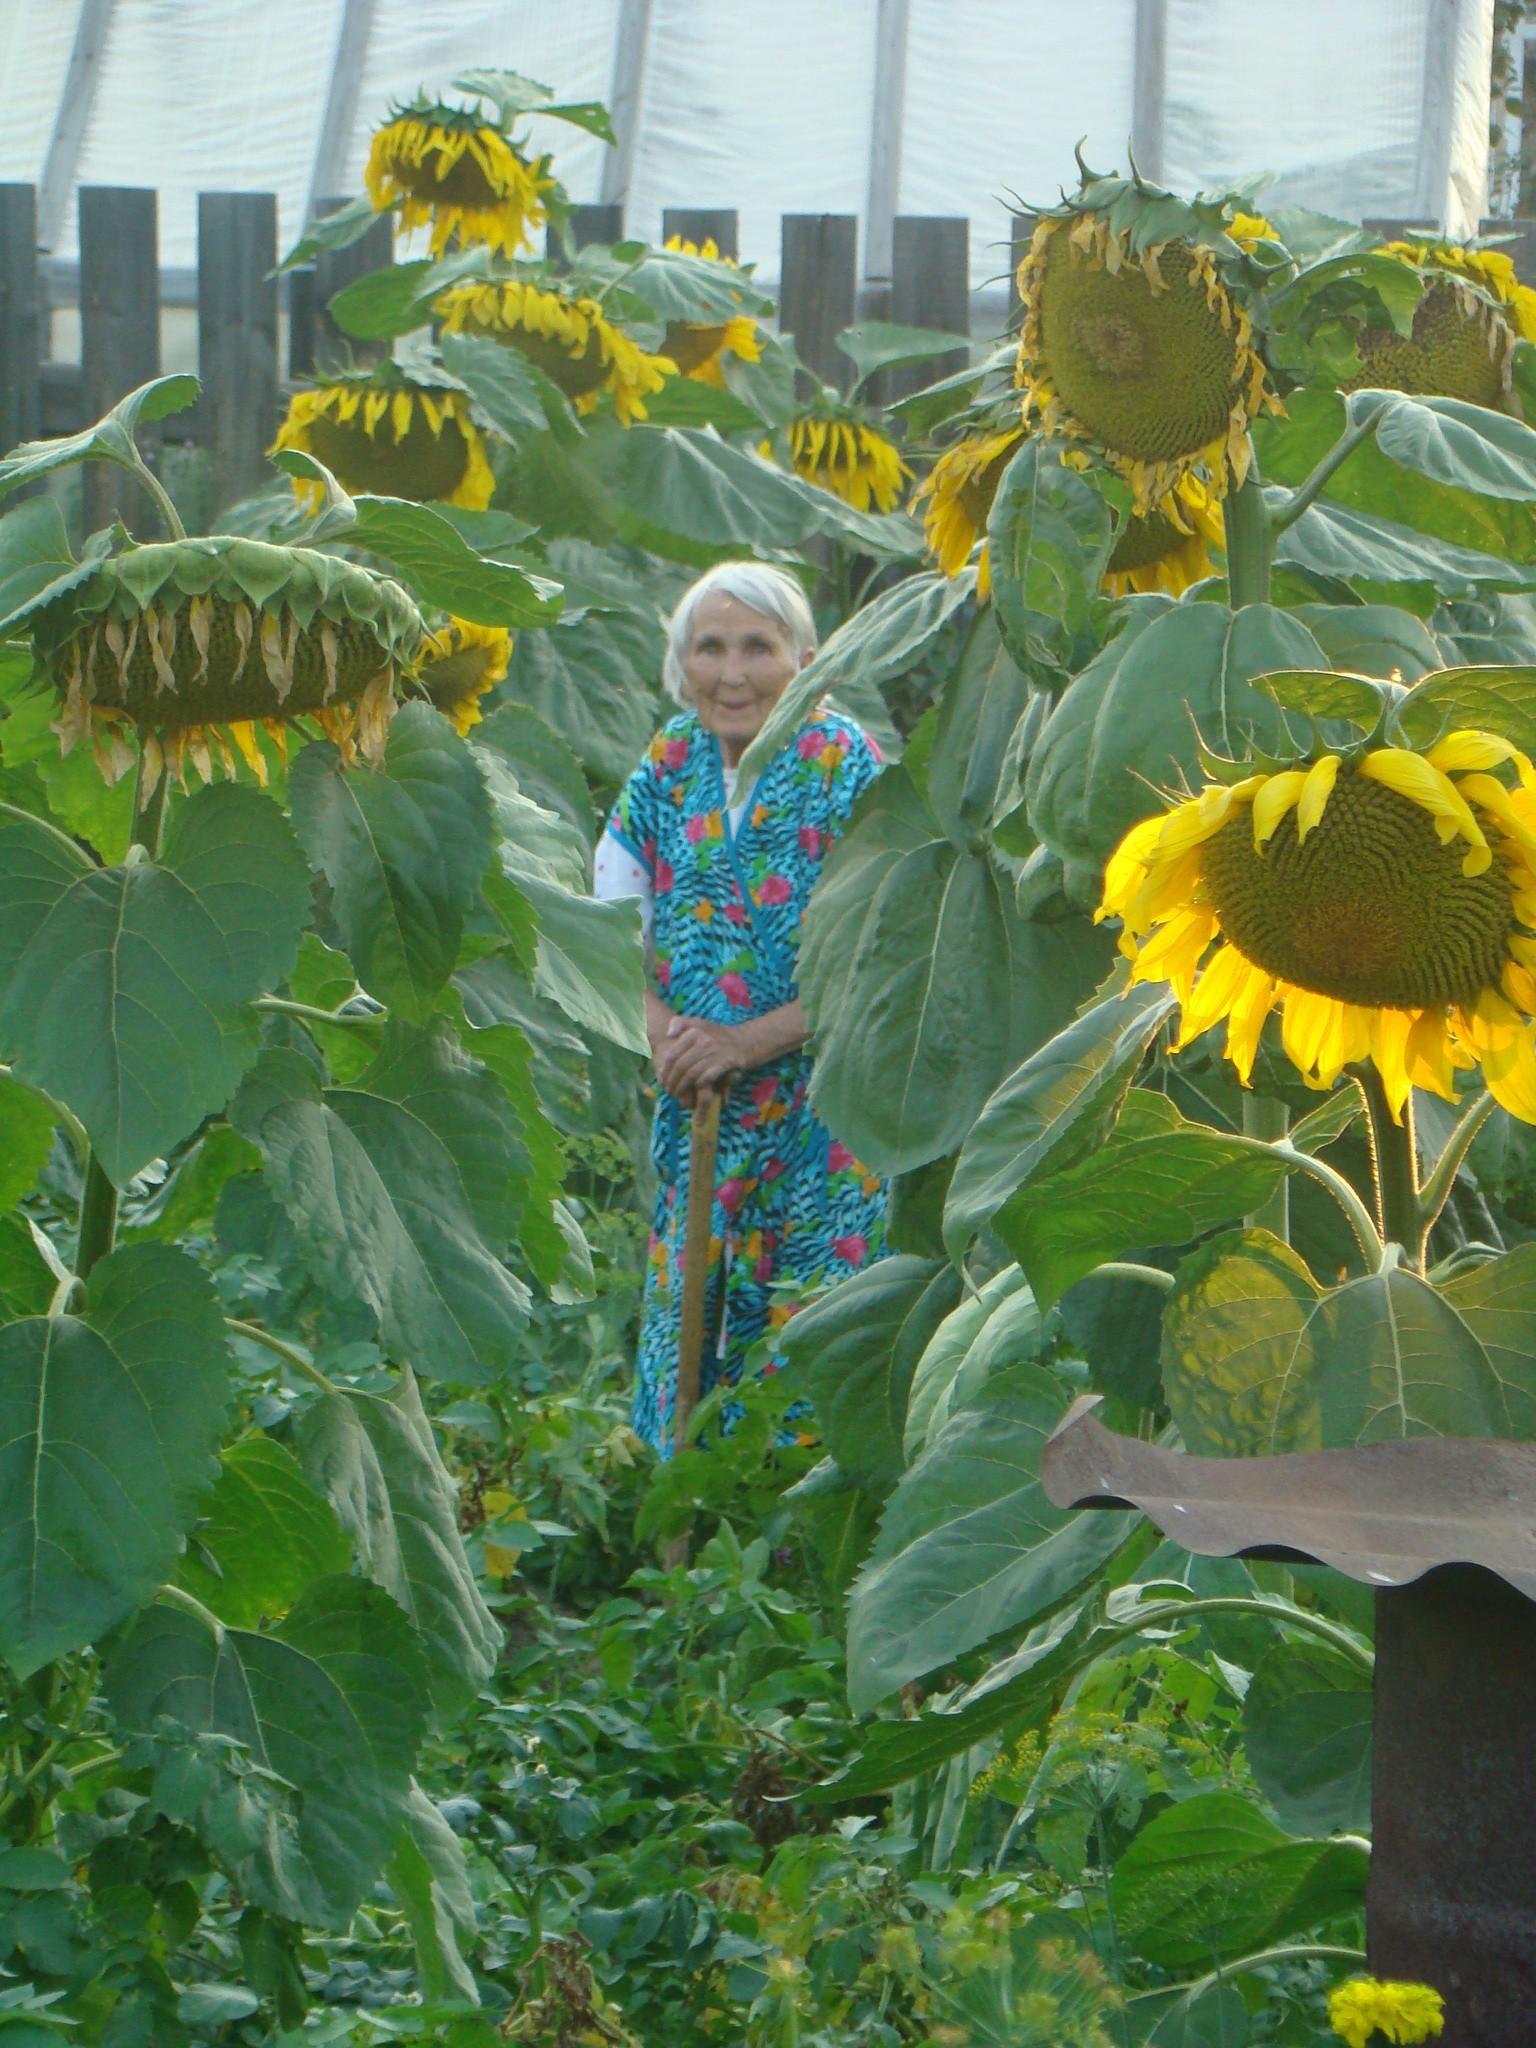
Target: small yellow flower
x,y
1404,2014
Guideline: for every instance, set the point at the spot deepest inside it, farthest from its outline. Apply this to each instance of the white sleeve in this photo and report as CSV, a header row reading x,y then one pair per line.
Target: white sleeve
x,y
617,876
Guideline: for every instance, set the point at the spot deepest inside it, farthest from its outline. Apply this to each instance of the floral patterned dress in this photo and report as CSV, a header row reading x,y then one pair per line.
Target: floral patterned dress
x,y
791,1203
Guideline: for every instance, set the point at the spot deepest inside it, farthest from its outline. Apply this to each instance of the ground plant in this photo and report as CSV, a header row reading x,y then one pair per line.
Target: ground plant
x,y
1179,970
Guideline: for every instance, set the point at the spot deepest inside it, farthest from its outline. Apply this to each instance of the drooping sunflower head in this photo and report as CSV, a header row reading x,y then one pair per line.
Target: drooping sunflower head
x,y
848,457
699,347
1464,330
570,339
955,498
450,169
1383,902
189,646
1143,346
382,433
459,663
1168,546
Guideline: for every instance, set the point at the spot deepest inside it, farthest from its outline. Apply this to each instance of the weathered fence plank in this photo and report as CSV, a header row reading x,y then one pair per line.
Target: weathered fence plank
x,y
930,287
818,288
237,337
317,347
23,318
700,224
119,329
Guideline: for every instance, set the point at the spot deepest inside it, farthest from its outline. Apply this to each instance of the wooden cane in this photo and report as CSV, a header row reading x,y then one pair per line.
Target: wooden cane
x,y
703,1146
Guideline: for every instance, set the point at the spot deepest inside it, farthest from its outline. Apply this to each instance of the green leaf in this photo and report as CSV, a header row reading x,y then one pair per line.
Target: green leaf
x,y
267,1532
1323,693
398,297
969,1546
376,1460
403,852
403,1193
967,756
1499,699
124,992
1257,1358
856,1349
36,562
429,1876
333,1701
1058,1106
512,392
1158,1176
902,931
337,230
1380,640
1307,1731
962,1333
1133,722
1373,553
1050,535
109,440
513,94
882,344
108,1425
1211,1878
546,766
27,1281
1453,443
442,569
26,1139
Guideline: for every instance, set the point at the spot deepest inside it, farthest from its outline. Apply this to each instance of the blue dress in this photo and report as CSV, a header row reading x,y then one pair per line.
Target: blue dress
x,y
791,1202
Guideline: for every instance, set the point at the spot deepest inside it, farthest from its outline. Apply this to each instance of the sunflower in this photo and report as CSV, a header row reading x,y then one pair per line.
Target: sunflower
x,y
570,340
956,496
382,433
1140,348
190,645
853,461
1384,903
459,663
699,347
1464,331
446,167
1166,547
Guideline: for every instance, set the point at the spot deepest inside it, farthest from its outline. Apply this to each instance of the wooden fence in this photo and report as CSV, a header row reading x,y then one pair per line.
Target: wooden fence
x,y
238,298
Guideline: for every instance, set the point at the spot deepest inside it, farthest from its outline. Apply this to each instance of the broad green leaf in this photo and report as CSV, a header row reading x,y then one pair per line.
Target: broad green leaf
x,y
902,931
974,721
856,1349
429,1876
66,789
837,1521
512,392
1376,555
1055,1108
1212,2017
333,1701
1307,1731
403,852
546,767
398,297
1499,699
969,1546
36,561
1453,443
1157,1177
110,440
336,230
1211,1878
125,992
267,1533
1133,722
1050,535
1496,1302
377,1462
1324,693
26,1139
27,1281
1257,1358
442,569
687,402
882,344
513,94
109,1420
1380,640
190,1194
946,1351
404,1194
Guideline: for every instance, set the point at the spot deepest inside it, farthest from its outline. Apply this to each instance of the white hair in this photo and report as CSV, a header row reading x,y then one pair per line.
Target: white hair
x,y
758,585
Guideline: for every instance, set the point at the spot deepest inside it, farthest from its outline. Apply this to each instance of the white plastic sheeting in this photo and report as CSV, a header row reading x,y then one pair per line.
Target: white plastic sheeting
x,y
1361,107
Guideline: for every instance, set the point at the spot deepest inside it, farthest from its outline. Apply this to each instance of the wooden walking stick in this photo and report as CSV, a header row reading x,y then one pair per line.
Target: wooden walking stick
x,y
702,1148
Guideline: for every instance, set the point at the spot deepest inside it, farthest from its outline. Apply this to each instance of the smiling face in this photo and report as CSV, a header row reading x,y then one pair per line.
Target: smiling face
x,y
738,664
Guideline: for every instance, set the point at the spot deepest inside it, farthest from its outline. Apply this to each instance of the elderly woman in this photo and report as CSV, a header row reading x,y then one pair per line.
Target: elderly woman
x,y
723,874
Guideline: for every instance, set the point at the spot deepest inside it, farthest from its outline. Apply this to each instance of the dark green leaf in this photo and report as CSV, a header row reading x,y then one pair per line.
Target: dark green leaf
x,y
27,1280
543,762
268,1533
442,568
1380,640
338,230
1454,443
976,717
882,344
513,94
429,1876
513,393
110,440
1307,1730
1050,535
1322,693
36,562
108,1424
1373,553
26,1139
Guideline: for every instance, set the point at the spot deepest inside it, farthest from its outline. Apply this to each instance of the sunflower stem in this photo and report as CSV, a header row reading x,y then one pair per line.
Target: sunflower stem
x,y
162,497
307,1013
1394,1160
1266,1117
1436,1191
1249,542
98,1217
290,1353
1313,487
1130,1269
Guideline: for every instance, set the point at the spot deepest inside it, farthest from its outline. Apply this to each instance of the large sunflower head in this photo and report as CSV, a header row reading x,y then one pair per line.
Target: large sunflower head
x,y
1383,902
380,432
1464,330
189,646
848,457
1167,547
460,662
1141,345
698,347
449,168
955,498
570,339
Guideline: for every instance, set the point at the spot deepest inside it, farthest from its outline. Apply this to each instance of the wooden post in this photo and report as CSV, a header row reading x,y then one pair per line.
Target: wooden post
x,y
930,287
817,289
119,333
334,270
718,224
1021,229
23,317
237,338
604,223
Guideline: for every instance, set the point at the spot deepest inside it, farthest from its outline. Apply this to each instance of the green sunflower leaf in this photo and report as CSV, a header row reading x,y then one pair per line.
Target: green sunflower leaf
x,y
883,344
267,1533
27,1281
1452,442
1324,693
512,94
125,992
26,1138
1050,536
36,561
109,1420
109,440
1498,699
1307,1731
443,569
